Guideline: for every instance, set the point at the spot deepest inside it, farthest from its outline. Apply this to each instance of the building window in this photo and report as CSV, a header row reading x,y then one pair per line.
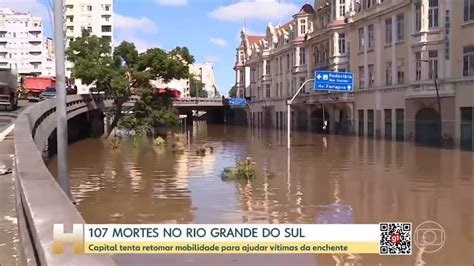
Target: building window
x,y
433,14
388,73
433,65
302,56
107,7
70,18
388,31
418,66
326,53
2,35
342,43
267,68
288,88
467,128
281,64
107,38
342,8
401,71
370,123
281,89
417,17
371,75
277,89
371,36
303,26
89,8
361,77
267,91
361,39
468,10
302,80
89,29
288,64
468,61
400,27
106,17
277,66
106,28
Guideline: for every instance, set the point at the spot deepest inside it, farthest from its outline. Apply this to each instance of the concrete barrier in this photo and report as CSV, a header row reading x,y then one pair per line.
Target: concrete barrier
x,y
40,201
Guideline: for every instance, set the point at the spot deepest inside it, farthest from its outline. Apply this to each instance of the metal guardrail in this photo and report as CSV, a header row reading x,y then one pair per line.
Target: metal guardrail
x,y
40,201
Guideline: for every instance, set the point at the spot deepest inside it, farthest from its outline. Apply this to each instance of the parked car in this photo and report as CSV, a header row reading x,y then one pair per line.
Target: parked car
x,y
48,93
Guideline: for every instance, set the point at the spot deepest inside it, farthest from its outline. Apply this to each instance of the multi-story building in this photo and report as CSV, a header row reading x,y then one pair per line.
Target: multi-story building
x,y
396,49
202,72
205,74
22,46
95,16
49,68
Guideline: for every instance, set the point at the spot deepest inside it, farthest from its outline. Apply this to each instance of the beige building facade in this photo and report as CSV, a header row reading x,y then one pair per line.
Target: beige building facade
x,y
396,49
205,73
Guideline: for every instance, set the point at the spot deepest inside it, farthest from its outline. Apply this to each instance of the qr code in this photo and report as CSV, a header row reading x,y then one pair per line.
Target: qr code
x,y
395,239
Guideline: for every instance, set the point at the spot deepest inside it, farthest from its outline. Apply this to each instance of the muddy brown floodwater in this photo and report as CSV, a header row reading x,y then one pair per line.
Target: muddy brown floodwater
x,y
323,178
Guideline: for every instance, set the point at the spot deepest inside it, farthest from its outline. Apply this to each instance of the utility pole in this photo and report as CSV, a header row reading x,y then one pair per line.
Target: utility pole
x,y
61,127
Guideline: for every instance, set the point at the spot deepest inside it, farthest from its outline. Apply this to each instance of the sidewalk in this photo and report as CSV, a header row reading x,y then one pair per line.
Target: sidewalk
x,y
9,239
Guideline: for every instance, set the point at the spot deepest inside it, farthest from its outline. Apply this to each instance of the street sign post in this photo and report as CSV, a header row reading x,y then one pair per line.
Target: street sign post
x,y
333,81
237,101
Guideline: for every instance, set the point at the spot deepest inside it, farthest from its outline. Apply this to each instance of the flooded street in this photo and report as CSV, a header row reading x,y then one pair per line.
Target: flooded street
x,y
322,179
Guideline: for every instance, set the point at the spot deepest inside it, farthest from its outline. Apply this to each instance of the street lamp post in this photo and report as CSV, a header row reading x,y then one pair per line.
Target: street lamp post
x,y
288,104
437,95
62,133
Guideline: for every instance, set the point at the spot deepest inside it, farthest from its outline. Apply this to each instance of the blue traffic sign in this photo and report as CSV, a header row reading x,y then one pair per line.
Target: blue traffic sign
x,y
237,101
333,81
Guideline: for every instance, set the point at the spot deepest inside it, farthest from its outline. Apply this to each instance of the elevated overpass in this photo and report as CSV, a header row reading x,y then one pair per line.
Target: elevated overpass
x,y
190,103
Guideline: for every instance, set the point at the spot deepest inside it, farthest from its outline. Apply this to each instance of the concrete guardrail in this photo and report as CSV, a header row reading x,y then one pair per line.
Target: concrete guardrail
x,y
40,201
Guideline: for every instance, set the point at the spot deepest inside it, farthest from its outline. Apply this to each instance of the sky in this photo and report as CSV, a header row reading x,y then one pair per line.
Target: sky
x,y
209,28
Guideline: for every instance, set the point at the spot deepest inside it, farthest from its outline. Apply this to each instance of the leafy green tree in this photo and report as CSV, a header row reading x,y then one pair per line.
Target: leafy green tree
x,y
125,72
233,91
196,87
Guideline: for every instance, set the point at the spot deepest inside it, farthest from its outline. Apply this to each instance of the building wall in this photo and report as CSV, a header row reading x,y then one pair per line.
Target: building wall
x,y
205,73
49,68
22,46
95,16
395,83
